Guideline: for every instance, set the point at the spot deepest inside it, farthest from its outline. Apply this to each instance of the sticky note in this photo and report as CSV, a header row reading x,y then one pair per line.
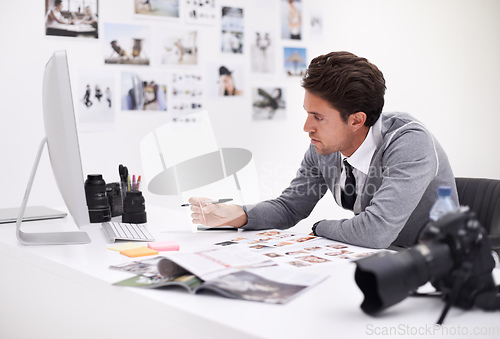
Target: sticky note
x,y
139,252
168,245
126,246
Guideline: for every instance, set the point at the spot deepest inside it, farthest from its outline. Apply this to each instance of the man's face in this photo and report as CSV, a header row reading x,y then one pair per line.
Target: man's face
x,y
328,132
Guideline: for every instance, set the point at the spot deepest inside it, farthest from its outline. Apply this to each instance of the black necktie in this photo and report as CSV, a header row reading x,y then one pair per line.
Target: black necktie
x,y
348,194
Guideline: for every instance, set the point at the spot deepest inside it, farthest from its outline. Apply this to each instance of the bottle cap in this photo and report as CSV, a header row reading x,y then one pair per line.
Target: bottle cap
x,y
444,191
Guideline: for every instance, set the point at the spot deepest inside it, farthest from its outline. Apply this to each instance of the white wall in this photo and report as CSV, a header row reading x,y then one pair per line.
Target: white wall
x,y
440,59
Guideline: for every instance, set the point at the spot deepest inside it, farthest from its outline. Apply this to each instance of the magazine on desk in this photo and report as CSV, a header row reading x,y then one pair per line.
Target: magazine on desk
x,y
231,272
260,266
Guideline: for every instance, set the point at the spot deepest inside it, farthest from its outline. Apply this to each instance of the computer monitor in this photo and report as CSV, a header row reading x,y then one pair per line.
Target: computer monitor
x,y
61,137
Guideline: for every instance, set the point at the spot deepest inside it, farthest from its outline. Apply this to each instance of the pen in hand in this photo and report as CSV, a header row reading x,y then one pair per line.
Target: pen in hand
x,y
220,201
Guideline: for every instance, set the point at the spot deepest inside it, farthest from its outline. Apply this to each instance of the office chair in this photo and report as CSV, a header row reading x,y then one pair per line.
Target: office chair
x,y
483,197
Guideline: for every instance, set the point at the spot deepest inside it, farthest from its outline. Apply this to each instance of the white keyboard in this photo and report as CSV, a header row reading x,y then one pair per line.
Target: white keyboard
x,y
124,231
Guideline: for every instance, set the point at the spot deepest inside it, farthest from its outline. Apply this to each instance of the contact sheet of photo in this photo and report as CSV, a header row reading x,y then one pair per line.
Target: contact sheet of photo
x,y
298,250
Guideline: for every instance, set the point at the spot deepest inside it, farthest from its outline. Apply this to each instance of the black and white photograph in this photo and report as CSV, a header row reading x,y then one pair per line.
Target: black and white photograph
x,y
315,24
263,47
95,97
268,103
186,92
200,12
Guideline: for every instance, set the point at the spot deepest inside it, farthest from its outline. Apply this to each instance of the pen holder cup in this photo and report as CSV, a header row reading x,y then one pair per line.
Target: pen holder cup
x,y
134,208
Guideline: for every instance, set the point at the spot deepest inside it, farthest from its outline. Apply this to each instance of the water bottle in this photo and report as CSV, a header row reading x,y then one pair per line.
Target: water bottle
x,y
443,204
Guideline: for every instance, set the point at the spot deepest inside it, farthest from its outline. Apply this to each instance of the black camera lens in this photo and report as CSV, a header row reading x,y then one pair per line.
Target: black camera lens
x,y
134,208
387,278
97,201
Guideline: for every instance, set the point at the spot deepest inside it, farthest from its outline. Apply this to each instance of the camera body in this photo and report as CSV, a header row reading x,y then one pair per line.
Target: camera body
x,y
453,253
114,194
470,253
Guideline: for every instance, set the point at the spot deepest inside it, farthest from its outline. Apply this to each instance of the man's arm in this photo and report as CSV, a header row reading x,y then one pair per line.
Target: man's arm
x,y
295,203
410,164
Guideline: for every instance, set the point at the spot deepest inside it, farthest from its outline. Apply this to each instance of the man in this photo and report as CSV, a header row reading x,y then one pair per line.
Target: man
x,y
391,175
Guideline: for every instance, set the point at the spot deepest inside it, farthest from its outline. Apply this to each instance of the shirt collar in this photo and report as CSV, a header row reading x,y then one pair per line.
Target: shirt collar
x,y
362,157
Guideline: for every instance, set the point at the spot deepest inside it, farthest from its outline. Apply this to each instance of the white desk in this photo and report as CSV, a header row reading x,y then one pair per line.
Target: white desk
x,y
67,292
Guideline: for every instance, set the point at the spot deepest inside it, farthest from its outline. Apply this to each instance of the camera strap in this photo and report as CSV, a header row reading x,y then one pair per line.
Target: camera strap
x,y
461,277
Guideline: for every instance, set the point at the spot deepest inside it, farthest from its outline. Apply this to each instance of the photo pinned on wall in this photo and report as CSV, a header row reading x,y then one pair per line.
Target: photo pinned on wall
x,y
225,80
186,93
232,30
94,99
126,44
72,18
200,11
291,19
294,61
316,23
177,47
268,103
157,8
143,92
262,52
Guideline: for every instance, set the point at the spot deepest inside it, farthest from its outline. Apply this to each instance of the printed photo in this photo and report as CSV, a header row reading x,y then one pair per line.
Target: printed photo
x,y
291,19
298,263
294,61
269,233
143,92
202,12
226,243
126,44
226,80
314,259
232,30
186,94
262,52
177,47
159,8
94,98
72,18
315,23
268,103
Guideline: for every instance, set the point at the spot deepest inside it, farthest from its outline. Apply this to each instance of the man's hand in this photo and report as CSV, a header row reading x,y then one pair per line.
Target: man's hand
x,y
214,215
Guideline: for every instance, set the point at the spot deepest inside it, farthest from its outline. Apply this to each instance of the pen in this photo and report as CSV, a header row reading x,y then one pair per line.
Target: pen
x,y
139,183
220,201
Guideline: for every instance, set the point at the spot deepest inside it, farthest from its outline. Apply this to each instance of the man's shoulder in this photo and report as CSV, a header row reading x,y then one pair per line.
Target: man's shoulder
x,y
399,121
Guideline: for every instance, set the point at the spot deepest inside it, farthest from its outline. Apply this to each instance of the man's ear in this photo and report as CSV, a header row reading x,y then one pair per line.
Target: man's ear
x,y
357,120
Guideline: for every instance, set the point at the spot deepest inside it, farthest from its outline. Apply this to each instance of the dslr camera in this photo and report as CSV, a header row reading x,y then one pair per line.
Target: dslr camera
x,y
453,254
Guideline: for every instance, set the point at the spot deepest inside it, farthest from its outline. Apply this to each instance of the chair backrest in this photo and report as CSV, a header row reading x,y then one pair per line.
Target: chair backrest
x,y
483,197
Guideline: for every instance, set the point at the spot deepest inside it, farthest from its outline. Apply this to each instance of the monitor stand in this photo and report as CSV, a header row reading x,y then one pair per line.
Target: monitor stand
x,y
46,238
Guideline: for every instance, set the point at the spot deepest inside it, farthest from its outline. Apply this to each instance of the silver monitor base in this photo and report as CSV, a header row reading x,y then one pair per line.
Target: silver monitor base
x,y
46,238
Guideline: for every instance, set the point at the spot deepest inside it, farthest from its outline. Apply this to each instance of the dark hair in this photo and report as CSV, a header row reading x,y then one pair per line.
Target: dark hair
x,y
348,83
57,2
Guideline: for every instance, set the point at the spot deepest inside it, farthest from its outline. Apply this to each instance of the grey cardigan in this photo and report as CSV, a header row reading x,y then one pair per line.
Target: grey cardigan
x,y
406,169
